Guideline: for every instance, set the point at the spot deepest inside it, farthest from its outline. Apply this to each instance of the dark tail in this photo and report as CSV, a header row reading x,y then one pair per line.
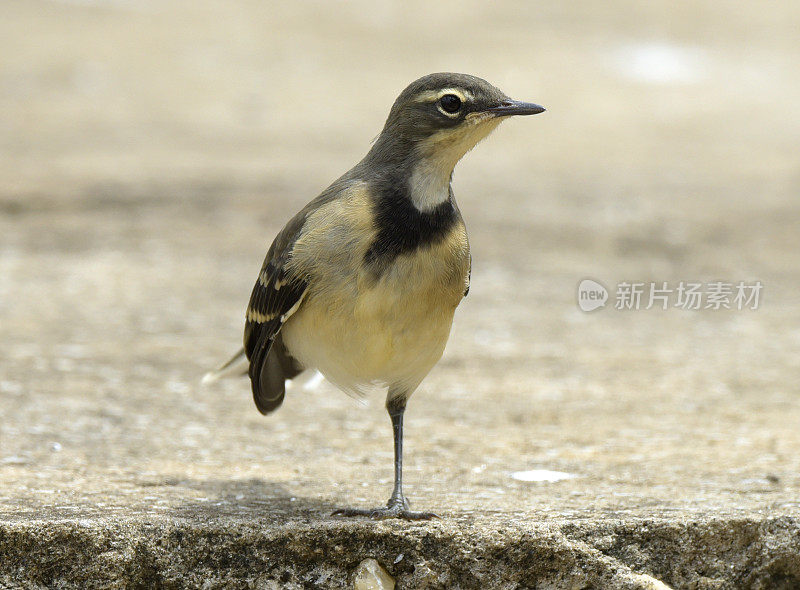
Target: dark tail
x,y
270,367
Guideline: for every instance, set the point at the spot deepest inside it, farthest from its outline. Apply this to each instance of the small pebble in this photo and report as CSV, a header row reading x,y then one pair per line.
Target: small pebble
x,y
544,475
371,576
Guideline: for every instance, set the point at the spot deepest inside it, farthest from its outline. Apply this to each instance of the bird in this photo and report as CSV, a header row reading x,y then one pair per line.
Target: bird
x,y
363,282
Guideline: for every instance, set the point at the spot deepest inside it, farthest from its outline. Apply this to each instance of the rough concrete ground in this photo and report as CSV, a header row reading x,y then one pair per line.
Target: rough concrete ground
x,y
151,152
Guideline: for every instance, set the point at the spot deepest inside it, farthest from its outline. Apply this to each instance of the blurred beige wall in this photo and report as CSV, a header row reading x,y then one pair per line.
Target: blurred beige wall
x,y
92,90
669,123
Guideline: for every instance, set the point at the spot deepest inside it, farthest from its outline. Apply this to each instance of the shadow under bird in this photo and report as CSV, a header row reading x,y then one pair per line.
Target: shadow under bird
x,y
362,283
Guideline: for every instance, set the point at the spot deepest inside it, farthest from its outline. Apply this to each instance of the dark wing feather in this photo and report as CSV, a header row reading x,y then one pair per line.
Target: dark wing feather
x,y
276,292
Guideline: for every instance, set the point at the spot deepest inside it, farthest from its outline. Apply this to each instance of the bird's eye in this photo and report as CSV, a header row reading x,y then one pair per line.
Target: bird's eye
x,y
450,103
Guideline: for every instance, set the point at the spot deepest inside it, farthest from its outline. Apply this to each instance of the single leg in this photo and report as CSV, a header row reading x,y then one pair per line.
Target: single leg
x,y
397,507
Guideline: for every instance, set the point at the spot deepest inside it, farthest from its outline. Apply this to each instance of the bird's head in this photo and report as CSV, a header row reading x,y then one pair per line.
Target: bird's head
x,y
440,117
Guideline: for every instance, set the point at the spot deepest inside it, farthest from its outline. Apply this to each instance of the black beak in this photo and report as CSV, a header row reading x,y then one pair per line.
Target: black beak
x,y
515,107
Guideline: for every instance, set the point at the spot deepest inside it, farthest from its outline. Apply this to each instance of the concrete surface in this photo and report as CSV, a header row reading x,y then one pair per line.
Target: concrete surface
x,y
151,152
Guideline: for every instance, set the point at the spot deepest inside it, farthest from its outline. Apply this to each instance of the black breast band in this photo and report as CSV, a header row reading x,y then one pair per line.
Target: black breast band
x,y
402,227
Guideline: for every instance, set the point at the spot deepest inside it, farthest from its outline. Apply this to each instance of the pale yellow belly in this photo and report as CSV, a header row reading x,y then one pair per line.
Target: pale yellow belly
x,y
363,334
375,339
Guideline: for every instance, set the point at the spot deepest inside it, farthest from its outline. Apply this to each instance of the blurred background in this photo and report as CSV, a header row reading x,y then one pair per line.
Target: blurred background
x,y
152,149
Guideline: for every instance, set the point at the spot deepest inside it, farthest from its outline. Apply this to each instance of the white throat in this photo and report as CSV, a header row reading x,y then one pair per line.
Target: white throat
x,y
430,184
430,177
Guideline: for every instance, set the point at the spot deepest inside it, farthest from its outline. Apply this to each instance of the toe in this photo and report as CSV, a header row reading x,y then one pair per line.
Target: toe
x,y
407,515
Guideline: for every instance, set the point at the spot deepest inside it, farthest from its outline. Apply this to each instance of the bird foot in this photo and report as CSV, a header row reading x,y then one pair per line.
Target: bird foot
x,y
393,510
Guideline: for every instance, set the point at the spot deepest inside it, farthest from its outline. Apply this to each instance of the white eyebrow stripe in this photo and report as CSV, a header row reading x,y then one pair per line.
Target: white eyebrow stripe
x,y
434,95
